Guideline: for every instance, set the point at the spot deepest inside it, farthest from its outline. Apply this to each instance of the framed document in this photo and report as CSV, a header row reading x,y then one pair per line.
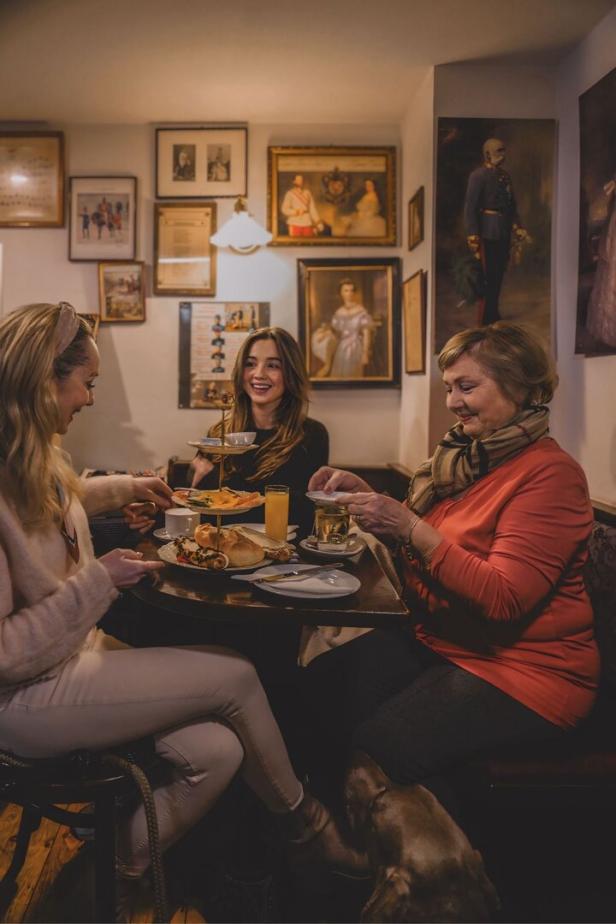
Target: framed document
x,y
31,179
184,258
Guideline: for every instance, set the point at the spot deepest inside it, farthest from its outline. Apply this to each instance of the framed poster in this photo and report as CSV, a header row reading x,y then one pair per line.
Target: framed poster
x,y
121,289
595,333
416,218
31,179
192,163
494,189
184,257
349,322
414,310
211,334
332,195
102,218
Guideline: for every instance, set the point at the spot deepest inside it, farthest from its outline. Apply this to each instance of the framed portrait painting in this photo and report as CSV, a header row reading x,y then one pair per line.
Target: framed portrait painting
x,y
184,257
193,163
414,311
31,179
416,218
332,195
102,218
595,333
349,322
121,289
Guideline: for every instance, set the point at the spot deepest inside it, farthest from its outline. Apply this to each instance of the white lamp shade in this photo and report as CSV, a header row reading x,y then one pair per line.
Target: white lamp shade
x,y
241,233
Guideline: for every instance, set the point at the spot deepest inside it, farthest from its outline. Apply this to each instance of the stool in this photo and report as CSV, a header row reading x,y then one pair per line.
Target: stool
x,y
39,785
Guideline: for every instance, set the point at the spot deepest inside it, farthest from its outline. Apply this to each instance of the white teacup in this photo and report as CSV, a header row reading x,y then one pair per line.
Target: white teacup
x,y
181,522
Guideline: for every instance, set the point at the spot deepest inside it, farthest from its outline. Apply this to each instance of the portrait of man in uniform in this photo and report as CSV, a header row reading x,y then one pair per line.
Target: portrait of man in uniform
x,y
493,223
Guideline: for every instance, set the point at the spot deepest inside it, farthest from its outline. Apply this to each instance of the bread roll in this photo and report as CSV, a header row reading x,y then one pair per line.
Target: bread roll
x,y
241,551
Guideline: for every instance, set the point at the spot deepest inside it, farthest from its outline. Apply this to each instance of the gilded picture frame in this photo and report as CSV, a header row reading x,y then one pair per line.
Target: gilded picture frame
x,y
416,218
324,196
184,257
349,322
31,179
121,289
414,312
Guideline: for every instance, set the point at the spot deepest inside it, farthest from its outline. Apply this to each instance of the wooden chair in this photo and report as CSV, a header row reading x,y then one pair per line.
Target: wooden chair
x,y
43,786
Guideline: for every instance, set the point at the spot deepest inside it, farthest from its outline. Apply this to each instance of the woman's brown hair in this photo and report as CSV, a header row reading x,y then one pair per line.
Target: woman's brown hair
x,y
290,413
510,354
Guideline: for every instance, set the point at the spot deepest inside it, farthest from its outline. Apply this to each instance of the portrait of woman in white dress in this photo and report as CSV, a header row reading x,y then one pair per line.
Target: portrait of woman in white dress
x,y
345,345
366,220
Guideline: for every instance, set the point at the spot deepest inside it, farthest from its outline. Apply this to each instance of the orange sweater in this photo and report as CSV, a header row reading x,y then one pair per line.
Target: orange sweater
x,y
505,597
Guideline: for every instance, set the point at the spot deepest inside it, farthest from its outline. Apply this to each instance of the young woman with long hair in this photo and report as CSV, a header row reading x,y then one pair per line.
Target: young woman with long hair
x,y
271,397
64,684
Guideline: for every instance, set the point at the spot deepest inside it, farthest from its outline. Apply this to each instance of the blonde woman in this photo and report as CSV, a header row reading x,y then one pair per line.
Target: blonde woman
x,y
64,684
271,398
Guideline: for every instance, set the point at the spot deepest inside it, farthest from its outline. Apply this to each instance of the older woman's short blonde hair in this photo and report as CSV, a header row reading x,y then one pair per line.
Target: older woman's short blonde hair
x,y
511,355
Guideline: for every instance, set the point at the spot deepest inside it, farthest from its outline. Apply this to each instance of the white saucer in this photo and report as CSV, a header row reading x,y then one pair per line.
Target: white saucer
x,y
355,546
320,497
163,535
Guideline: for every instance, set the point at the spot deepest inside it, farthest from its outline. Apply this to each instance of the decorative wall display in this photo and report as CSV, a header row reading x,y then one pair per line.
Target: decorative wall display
x,y
211,334
31,179
93,320
332,195
195,162
414,309
184,257
596,306
102,218
493,223
416,218
349,322
121,289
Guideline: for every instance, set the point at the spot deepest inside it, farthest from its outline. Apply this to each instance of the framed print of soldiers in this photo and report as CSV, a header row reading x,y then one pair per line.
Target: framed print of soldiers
x,y
300,211
492,224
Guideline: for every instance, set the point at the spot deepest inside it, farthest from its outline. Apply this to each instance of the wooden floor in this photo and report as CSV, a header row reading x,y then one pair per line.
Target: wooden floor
x,y
51,847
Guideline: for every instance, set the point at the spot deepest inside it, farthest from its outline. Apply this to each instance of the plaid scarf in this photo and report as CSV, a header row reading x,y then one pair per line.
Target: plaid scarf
x,y
459,461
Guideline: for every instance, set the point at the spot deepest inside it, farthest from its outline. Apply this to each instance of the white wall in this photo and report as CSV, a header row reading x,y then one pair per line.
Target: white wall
x,y
417,144
136,421
584,417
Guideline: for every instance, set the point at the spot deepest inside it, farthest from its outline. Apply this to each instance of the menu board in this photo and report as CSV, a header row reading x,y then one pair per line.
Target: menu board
x,y
211,334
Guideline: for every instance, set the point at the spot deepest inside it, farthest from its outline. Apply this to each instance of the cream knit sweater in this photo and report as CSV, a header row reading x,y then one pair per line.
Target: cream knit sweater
x,y
49,606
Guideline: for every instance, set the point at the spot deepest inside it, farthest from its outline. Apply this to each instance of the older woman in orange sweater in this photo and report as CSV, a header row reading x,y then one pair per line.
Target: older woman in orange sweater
x,y
492,545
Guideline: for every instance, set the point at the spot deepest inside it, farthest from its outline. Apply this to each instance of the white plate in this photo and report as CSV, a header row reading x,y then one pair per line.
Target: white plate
x,y
223,511
356,545
163,535
320,497
168,554
335,583
228,449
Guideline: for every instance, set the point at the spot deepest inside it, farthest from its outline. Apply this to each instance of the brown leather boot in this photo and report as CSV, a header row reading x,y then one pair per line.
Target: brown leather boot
x,y
426,869
316,846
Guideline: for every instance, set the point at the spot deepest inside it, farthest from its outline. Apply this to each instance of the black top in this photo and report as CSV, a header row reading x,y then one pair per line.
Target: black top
x,y
306,458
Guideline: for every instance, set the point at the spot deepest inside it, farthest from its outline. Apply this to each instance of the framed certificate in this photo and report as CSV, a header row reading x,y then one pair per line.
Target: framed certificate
x,y
31,179
184,258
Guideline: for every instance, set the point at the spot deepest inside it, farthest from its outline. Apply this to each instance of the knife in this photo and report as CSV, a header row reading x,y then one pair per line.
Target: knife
x,y
296,574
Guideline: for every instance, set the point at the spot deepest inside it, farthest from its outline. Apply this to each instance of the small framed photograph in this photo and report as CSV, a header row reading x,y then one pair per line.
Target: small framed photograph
x,y
332,195
414,309
31,179
121,288
349,322
102,218
184,257
416,218
93,320
193,163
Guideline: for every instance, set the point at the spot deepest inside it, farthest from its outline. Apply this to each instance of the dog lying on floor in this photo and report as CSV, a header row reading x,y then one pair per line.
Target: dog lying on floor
x,y
425,868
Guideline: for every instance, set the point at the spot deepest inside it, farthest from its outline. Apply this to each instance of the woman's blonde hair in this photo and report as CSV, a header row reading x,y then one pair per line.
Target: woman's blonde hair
x,y
32,464
511,355
290,413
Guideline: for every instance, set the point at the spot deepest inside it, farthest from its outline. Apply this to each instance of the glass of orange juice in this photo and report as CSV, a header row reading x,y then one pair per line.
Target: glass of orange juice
x,y
276,511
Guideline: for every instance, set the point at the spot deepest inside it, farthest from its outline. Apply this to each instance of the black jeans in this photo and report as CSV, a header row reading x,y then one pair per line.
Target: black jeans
x,y
416,714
